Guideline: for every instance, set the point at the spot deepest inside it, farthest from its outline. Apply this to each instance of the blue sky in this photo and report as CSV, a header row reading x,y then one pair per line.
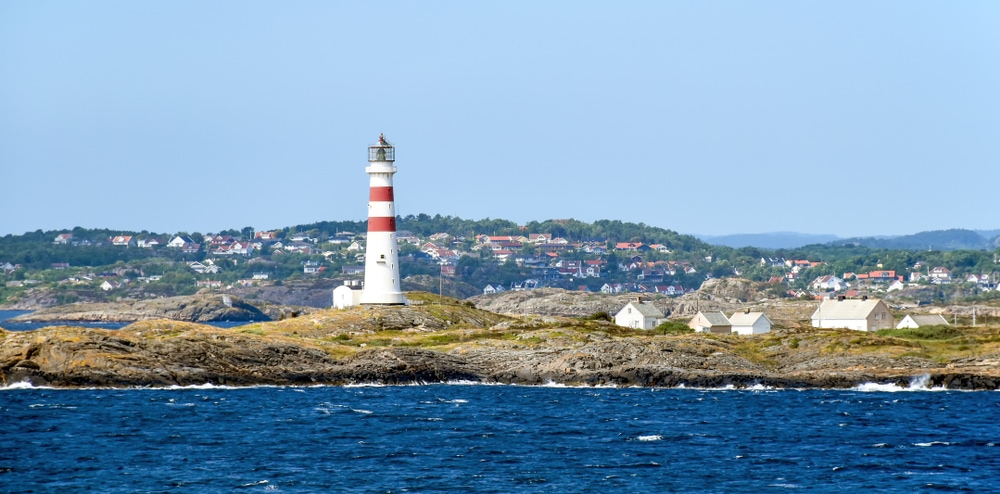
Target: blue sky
x,y
850,118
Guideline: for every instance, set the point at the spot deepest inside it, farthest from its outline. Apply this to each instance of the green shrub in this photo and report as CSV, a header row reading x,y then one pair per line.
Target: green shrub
x,y
935,332
599,316
673,327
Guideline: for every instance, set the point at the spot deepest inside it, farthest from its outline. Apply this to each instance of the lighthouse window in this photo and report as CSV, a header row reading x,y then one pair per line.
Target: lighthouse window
x,y
381,256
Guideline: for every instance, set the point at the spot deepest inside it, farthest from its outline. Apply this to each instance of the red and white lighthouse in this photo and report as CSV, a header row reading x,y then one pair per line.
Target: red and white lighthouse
x,y
382,252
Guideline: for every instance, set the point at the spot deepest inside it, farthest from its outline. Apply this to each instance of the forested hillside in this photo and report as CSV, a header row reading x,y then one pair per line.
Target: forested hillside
x,y
54,267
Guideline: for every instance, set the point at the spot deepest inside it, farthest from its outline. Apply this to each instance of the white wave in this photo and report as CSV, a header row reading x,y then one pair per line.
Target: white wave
x,y
259,482
359,410
200,386
655,437
932,443
22,385
463,382
917,383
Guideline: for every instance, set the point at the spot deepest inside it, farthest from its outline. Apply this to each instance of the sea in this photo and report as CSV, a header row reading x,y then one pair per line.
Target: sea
x,y
467,437
463,437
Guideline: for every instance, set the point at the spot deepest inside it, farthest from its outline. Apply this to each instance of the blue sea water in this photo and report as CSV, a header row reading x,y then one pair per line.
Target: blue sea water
x,y
477,438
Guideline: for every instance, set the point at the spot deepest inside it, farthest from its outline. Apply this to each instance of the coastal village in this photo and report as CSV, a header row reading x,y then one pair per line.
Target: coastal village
x,y
550,262
849,299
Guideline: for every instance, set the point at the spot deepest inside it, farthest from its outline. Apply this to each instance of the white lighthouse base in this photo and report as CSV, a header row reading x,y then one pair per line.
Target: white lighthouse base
x,y
383,298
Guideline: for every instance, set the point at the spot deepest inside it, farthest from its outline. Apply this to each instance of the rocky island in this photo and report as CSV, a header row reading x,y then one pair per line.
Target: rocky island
x,y
440,340
191,308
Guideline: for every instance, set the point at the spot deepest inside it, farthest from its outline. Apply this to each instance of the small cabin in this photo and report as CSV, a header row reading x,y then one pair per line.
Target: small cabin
x,y
639,315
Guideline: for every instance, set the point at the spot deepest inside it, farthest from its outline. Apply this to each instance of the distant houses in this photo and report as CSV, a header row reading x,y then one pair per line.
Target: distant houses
x,y
858,314
711,322
745,322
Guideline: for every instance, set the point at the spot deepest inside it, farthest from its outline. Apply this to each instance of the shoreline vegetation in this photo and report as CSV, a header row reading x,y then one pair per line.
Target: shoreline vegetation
x,y
440,340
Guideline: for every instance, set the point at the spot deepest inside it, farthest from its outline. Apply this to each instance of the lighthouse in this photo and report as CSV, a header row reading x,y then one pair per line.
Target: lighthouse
x,y
382,253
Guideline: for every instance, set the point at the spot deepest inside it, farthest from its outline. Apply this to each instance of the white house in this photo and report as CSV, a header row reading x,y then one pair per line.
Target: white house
x,y
940,275
828,282
490,289
147,243
858,314
178,242
612,288
123,240
639,315
347,295
916,321
711,322
209,268
748,323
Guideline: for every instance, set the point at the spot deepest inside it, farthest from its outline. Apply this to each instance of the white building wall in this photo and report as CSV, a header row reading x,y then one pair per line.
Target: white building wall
x,y
630,317
855,324
760,326
344,297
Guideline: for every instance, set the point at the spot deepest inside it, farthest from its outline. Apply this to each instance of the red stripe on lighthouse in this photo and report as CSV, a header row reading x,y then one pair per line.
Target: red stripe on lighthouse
x,y
382,224
380,194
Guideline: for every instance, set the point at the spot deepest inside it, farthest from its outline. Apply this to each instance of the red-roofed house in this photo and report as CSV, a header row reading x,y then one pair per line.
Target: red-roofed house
x,y
122,240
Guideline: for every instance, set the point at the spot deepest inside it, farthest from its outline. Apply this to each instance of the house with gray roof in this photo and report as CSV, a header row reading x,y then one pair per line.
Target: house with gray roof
x,y
862,314
915,321
639,315
748,323
711,322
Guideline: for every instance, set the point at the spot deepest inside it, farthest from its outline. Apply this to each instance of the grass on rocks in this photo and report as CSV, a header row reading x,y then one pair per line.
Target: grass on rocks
x,y
443,324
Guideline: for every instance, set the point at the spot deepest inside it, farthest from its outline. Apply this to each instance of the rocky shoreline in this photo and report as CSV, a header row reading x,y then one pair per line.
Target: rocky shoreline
x,y
435,340
170,356
193,308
